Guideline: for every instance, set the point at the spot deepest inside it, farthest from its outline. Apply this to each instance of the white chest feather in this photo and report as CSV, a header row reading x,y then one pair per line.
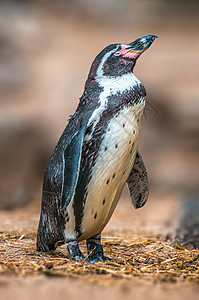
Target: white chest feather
x,y
111,170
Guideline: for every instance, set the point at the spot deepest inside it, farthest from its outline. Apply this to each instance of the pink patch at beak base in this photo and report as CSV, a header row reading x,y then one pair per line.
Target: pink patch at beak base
x,y
132,54
124,52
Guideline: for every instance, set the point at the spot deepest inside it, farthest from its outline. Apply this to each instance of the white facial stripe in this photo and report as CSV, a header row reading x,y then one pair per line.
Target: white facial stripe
x,y
105,57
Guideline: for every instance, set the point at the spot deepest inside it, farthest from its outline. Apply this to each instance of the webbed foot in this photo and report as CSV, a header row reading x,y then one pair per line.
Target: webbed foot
x,y
95,250
74,251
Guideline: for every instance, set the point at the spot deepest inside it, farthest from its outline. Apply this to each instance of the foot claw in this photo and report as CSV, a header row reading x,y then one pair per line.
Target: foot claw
x,y
97,258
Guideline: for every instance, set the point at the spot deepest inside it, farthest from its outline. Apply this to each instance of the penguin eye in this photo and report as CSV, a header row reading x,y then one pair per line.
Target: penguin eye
x,y
118,53
121,51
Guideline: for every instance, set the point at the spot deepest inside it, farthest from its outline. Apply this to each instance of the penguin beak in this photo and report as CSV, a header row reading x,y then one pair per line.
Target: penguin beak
x,y
136,48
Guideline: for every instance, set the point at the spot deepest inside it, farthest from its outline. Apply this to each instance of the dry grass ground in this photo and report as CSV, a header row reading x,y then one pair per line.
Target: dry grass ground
x,y
142,264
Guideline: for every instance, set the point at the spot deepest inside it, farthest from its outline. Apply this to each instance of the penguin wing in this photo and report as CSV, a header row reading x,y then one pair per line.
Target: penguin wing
x,y
71,160
138,183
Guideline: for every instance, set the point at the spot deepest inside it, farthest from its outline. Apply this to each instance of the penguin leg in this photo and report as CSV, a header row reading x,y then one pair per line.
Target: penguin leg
x,y
73,250
95,250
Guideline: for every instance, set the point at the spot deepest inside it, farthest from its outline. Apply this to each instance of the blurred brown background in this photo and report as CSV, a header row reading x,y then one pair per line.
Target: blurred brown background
x,y
46,49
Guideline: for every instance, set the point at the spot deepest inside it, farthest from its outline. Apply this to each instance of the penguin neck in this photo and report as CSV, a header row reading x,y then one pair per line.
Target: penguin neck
x,y
117,84
113,84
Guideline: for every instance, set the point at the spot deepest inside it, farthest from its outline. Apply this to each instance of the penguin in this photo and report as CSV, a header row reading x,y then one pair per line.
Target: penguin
x,y
96,155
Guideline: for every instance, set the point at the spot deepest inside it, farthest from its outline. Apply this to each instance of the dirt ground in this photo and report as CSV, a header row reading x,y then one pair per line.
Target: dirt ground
x,y
143,265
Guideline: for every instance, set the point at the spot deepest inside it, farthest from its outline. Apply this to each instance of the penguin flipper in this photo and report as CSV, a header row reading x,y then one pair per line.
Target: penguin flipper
x,y
138,183
72,158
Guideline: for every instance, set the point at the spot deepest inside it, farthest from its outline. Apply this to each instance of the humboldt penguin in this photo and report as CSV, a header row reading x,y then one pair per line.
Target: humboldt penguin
x,y
96,155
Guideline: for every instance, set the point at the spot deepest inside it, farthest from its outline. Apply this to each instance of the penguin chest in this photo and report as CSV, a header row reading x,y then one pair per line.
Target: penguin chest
x,y
111,170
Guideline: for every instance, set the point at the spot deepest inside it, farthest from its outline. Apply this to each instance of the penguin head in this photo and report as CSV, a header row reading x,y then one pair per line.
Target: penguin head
x,y
118,59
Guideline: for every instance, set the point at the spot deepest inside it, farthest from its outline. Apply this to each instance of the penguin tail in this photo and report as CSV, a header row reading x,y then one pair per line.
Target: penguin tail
x,y
42,246
48,235
44,240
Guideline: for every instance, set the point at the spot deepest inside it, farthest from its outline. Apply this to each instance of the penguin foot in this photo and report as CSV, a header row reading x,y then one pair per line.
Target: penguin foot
x,y
74,251
95,250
